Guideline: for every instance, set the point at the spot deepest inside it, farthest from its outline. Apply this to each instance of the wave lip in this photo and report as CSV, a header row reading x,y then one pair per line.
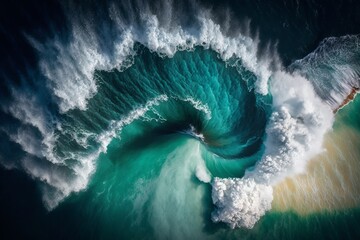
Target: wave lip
x,y
294,135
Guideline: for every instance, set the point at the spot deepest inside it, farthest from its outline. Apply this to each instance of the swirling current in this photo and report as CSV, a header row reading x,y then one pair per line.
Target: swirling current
x,y
178,120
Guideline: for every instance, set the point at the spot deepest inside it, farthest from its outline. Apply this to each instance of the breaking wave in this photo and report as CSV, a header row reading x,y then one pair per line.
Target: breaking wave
x,y
274,114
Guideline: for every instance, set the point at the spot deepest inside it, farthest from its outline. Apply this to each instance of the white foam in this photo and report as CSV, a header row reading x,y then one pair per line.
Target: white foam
x,y
116,126
294,134
202,174
240,202
296,128
198,105
201,171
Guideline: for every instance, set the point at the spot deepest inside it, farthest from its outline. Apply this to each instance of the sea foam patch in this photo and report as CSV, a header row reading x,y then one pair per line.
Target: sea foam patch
x,y
294,134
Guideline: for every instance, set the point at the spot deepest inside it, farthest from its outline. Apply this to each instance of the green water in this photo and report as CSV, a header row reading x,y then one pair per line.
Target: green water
x,y
349,115
153,192
146,184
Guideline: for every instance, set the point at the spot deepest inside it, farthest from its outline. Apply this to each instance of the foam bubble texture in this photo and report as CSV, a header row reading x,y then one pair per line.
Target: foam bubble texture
x,y
240,202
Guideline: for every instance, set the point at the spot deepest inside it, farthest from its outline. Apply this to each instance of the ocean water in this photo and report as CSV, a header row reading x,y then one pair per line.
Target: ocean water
x,y
179,120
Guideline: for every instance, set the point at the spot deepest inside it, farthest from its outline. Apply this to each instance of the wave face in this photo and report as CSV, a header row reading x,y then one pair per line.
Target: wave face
x,y
333,68
153,108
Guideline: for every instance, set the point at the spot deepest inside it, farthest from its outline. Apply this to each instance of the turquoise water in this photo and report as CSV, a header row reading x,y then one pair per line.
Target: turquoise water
x,y
173,120
349,115
146,185
202,92
152,193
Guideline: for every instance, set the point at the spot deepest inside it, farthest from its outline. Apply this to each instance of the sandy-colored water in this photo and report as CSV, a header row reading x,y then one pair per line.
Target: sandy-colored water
x,y
332,179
